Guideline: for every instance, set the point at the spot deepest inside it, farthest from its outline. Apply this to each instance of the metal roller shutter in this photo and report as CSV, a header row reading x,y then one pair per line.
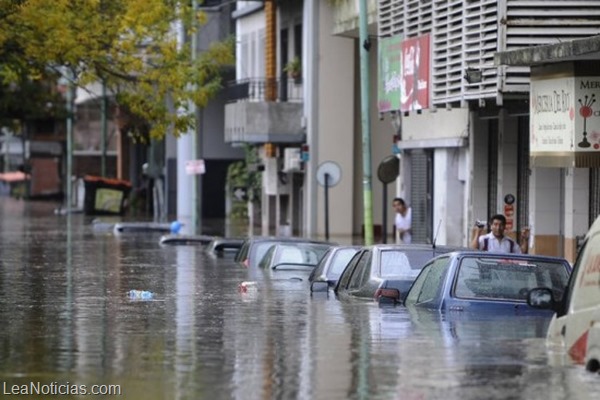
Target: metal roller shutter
x,y
594,194
492,168
421,199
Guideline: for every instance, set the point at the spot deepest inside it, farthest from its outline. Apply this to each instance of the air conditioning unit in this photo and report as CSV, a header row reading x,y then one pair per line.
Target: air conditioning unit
x,y
291,160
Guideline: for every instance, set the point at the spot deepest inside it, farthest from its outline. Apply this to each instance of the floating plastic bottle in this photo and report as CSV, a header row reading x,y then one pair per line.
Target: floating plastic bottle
x,y
140,295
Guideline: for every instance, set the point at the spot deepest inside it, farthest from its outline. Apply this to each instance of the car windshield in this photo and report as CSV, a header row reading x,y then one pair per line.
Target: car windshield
x,y
508,279
394,263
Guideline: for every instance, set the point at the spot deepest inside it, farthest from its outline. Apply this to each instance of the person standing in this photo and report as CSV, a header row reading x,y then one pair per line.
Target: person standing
x,y
403,221
495,240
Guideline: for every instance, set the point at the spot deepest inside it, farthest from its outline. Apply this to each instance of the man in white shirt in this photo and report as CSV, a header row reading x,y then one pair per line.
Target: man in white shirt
x,y
403,221
495,241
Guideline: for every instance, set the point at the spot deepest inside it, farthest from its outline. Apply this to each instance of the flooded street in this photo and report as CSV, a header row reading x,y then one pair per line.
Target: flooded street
x,y
68,322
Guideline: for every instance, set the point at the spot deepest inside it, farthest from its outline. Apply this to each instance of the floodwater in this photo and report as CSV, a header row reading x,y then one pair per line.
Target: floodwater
x,y
69,325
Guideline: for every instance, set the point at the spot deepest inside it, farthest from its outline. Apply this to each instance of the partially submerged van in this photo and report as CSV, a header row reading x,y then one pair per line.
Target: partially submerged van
x,y
575,327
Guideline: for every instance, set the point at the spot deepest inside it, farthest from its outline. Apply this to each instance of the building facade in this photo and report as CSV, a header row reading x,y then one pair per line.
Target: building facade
x,y
482,109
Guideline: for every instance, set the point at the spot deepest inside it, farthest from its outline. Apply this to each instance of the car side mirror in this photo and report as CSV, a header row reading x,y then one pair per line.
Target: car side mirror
x,y
542,298
319,286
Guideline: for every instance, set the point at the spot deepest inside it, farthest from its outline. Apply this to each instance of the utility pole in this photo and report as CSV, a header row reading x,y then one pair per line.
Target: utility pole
x,y
103,126
187,203
365,46
70,109
196,179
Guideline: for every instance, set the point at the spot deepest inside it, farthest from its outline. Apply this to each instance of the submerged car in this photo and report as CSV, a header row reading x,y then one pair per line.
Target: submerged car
x,y
483,282
224,246
385,272
299,258
254,248
332,265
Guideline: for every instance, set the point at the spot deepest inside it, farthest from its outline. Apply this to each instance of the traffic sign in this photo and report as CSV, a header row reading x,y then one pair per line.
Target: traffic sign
x,y
195,167
240,193
333,172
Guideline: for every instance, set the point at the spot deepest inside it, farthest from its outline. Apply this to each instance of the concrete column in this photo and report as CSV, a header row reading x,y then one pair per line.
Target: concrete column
x,y
448,201
576,209
311,110
545,198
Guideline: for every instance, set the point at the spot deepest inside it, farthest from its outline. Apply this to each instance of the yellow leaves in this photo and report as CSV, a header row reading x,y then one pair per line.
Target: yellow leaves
x,y
130,44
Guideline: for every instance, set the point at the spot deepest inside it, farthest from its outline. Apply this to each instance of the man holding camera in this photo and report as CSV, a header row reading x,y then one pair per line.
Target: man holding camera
x,y
495,240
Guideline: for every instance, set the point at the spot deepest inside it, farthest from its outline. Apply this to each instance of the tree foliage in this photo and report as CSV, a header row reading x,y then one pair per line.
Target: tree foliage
x,y
131,45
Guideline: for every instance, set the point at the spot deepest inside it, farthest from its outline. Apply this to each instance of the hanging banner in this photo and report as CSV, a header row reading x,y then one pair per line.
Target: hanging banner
x,y
415,74
388,98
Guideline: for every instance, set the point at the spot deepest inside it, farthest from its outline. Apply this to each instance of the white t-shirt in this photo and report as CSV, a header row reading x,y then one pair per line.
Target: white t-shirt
x,y
499,246
405,222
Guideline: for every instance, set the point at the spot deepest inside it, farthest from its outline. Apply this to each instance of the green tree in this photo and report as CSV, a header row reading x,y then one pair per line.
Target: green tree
x,y
131,45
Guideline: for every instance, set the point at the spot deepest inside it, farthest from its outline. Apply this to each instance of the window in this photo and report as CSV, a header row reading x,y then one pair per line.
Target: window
x,y
395,263
429,282
508,279
349,271
266,259
340,261
361,272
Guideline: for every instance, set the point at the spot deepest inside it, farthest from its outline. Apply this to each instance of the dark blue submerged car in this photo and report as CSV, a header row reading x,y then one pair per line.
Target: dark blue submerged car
x,y
482,282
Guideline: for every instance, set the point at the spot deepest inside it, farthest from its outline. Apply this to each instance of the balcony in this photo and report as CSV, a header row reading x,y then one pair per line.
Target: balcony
x,y
250,118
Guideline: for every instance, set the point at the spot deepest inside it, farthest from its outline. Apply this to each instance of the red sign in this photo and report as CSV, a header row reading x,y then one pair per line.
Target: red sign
x,y
415,74
195,167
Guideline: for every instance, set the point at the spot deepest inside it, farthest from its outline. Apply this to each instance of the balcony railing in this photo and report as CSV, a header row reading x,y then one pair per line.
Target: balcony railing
x,y
284,90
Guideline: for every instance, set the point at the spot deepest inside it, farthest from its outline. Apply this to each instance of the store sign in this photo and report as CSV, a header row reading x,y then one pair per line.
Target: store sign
x,y
195,167
565,121
415,74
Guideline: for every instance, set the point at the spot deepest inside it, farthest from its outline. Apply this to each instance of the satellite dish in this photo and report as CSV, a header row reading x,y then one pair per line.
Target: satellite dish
x,y
333,170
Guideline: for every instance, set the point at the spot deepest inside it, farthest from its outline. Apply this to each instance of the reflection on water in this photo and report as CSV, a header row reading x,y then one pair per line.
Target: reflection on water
x,y
67,317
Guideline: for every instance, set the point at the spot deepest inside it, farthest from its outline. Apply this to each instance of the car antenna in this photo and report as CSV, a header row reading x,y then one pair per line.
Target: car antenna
x,y
437,231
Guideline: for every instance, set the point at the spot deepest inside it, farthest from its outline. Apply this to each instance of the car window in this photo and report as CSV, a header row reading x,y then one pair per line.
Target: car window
x,y
429,282
242,254
508,279
394,263
349,271
257,252
361,272
418,258
266,259
289,254
320,268
302,253
339,262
